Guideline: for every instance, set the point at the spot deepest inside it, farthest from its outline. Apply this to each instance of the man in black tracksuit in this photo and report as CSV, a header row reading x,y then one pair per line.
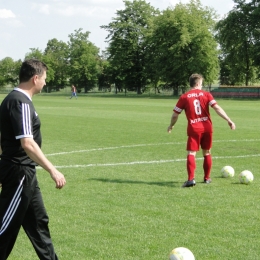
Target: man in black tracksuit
x,y
21,202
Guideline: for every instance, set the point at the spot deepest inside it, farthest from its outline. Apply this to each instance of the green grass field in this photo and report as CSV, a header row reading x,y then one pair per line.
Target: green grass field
x,y
123,198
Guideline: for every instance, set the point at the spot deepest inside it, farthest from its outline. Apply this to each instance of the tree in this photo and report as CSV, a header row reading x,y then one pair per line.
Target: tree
x,y
57,54
182,43
254,5
127,49
9,71
105,77
34,53
83,61
239,39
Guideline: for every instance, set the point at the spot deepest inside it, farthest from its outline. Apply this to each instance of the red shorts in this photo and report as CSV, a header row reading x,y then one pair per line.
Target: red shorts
x,y
197,140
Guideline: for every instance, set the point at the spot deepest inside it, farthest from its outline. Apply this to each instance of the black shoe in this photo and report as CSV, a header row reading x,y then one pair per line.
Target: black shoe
x,y
207,181
190,183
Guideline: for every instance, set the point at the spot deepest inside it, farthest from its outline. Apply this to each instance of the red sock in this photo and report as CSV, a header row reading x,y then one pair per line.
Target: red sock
x,y
191,166
207,164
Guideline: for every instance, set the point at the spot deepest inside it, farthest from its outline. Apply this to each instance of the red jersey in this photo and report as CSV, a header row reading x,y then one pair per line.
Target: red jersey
x,y
196,104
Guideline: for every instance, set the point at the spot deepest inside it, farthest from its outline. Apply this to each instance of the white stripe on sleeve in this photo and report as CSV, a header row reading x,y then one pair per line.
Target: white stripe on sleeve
x,y
26,120
212,102
177,109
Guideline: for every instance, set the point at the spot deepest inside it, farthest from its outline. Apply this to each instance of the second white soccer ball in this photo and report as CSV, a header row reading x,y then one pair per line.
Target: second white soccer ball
x,y
181,253
227,171
246,177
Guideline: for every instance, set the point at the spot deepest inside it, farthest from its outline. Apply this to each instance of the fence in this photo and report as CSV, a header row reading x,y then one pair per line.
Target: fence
x,y
218,92
236,92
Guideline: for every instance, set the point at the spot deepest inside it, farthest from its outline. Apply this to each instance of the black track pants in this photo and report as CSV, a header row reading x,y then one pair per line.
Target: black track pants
x,y
21,204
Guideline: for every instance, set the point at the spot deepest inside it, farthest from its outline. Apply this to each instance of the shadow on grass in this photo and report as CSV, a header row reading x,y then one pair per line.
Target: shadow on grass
x,y
235,183
229,178
165,184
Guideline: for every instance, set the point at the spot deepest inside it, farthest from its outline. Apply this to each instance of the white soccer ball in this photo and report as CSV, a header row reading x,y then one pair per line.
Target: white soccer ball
x,y
246,177
181,253
227,171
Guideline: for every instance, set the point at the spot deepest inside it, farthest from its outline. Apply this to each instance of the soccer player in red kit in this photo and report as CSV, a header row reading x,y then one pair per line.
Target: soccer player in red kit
x,y
196,104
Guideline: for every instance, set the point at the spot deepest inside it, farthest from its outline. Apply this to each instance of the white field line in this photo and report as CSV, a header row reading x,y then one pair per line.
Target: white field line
x,y
143,145
147,162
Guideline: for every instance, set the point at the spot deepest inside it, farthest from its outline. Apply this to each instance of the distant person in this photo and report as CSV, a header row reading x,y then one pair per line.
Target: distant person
x,y
21,202
73,92
196,104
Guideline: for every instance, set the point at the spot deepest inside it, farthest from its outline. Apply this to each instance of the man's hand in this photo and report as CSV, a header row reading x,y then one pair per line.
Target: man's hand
x,y
173,121
59,179
232,125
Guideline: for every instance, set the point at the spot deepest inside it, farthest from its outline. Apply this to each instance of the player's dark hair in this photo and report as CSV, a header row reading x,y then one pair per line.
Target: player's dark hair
x,y
30,68
194,79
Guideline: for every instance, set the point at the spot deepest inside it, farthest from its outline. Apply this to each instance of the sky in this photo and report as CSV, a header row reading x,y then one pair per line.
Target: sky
x,y
31,24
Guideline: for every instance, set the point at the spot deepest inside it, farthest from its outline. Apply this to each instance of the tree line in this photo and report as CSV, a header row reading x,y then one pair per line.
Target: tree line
x,y
148,48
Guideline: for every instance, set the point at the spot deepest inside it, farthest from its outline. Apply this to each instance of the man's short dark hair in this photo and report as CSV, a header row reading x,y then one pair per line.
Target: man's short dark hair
x,y
194,79
30,68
